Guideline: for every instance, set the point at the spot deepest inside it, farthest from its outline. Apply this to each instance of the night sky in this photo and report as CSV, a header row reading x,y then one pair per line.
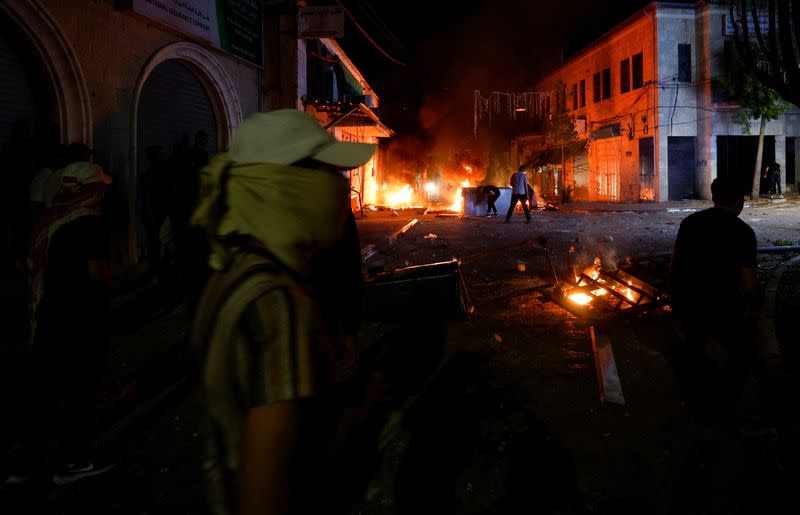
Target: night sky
x,y
454,48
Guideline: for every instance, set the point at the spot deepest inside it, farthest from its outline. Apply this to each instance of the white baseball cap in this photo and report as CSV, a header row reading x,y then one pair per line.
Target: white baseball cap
x,y
287,136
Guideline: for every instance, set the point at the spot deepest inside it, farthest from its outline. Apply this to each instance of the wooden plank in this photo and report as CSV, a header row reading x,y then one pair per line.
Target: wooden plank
x,y
607,374
402,231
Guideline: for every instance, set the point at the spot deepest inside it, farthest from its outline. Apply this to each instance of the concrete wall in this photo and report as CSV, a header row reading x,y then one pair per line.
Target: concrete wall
x,y
627,109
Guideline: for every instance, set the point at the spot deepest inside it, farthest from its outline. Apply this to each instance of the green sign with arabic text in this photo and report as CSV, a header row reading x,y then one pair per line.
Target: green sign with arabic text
x,y
231,25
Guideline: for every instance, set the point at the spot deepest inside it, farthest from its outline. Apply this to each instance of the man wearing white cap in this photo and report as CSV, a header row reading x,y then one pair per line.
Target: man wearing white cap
x,y
282,300
67,276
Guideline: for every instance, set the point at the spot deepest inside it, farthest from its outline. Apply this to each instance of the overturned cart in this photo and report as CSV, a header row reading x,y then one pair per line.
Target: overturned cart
x,y
435,290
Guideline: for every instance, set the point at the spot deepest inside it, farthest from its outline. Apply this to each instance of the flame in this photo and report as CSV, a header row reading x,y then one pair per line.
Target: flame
x,y
468,168
580,298
458,202
593,272
395,198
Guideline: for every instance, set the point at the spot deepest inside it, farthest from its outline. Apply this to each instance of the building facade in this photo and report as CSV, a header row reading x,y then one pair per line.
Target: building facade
x,y
122,78
128,76
653,122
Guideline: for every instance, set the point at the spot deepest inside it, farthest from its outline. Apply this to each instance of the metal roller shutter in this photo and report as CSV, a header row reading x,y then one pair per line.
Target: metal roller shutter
x,y
173,105
17,103
681,167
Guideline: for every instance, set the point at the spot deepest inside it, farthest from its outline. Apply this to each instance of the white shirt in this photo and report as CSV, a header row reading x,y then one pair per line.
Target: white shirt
x,y
519,184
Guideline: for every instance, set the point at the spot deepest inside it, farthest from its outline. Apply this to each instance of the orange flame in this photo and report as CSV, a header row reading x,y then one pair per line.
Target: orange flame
x,y
458,202
593,272
398,197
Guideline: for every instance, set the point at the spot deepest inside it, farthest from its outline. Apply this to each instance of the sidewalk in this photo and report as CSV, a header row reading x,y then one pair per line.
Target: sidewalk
x,y
581,206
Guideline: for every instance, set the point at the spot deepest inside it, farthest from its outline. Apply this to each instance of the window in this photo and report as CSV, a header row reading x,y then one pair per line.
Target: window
x,y
684,63
596,87
583,93
625,76
638,71
574,97
606,83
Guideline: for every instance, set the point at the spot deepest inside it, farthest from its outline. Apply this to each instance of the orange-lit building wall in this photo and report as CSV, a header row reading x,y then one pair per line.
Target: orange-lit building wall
x,y
613,161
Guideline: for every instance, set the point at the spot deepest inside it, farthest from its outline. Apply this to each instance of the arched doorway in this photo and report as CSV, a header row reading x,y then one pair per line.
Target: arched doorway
x,y
182,89
29,135
177,131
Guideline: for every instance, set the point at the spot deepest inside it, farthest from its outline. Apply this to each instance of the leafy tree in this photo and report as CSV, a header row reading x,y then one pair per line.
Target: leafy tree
x,y
770,53
759,102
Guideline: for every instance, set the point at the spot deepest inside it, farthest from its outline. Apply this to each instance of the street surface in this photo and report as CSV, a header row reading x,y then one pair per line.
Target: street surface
x,y
511,422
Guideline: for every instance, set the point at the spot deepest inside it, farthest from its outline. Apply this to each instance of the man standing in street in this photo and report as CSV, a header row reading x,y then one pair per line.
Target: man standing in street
x,y
519,194
715,246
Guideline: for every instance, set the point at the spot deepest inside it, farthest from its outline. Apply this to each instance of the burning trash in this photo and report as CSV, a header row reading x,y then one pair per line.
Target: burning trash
x,y
600,292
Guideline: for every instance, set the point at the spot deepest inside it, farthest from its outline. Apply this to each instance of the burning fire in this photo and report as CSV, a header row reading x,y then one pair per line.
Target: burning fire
x,y
593,272
458,204
394,197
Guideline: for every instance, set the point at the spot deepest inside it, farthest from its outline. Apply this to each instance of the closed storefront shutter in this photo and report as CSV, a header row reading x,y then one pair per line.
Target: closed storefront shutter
x,y
173,106
681,167
17,105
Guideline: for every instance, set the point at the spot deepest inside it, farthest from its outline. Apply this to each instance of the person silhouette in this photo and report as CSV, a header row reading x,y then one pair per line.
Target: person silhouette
x,y
715,295
519,194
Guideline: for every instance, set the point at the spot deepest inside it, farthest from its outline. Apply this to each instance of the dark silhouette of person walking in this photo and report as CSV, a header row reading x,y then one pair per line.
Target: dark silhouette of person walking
x,y
519,194
716,296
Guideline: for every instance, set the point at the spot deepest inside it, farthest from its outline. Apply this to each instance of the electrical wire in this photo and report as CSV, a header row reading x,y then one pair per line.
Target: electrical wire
x,y
366,35
384,28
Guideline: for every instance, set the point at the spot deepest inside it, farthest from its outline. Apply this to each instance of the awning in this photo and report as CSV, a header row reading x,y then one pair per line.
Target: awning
x,y
607,131
363,118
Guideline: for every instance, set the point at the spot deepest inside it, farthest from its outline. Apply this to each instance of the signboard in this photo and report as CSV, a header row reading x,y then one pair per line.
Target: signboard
x,y
231,25
320,22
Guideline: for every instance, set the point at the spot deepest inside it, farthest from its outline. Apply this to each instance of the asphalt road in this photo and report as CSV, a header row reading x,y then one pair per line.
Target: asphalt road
x,y
512,421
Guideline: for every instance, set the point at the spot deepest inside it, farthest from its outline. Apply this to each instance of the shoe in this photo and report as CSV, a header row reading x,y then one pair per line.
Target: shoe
x,y
507,221
527,220
487,215
19,478
73,472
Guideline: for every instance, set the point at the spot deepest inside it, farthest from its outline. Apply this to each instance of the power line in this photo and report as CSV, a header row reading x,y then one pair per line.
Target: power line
x,y
376,45
384,28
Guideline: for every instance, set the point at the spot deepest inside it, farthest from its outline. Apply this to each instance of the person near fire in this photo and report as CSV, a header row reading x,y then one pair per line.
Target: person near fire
x,y
492,194
519,194
716,247
277,314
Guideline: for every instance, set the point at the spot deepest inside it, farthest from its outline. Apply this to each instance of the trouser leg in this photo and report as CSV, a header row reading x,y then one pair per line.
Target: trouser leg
x,y
526,210
511,206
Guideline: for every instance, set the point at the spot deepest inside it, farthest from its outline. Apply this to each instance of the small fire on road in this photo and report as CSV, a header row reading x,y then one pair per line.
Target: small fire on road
x,y
593,276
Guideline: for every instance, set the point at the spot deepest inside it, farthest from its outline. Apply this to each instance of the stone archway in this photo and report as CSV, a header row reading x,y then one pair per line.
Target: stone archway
x,y
220,89
60,60
210,72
